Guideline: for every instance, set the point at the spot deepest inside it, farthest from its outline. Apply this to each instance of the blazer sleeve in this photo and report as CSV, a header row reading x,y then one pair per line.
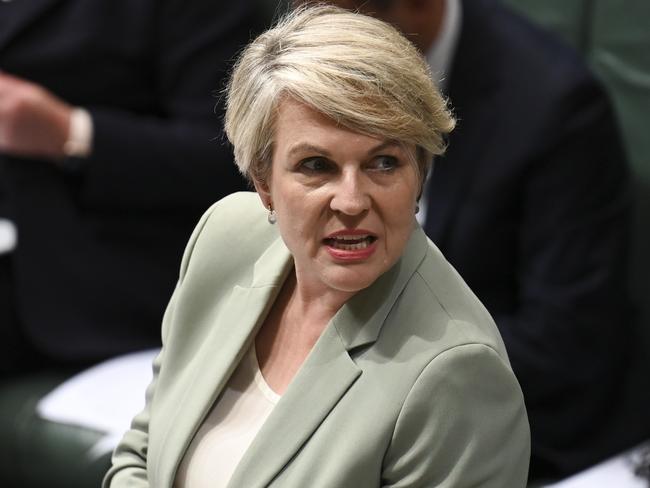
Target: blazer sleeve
x,y
129,468
174,155
462,424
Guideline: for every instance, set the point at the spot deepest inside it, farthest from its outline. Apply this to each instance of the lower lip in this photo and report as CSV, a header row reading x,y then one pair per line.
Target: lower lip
x,y
352,254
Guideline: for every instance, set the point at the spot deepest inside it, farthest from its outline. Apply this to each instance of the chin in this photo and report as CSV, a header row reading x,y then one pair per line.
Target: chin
x,y
351,281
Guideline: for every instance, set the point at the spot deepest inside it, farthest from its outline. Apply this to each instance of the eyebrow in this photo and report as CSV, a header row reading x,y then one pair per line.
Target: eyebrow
x,y
304,147
307,147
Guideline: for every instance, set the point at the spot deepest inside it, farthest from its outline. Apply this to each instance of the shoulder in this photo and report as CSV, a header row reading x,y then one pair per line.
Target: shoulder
x,y
449,308
238,210
547,100
436,319
463,409
449,372
526,56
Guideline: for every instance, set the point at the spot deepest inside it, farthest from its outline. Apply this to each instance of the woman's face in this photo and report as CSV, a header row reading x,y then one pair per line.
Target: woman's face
x,y
345,202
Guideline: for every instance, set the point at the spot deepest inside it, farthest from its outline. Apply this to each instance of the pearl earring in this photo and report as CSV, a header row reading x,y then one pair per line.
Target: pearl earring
x,y
271,217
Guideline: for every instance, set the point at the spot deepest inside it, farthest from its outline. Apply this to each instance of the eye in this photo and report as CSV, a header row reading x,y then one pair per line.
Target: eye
x,y
315,165
384,163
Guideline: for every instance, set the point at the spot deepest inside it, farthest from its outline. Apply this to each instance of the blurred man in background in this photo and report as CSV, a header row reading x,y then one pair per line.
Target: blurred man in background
x,y
531,204
107,159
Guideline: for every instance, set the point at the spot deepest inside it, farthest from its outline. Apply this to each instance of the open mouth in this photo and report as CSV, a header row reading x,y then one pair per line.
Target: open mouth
x,y
350,243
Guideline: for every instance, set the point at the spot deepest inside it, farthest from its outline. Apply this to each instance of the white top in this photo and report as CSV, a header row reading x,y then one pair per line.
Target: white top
x,y
229,428
439,57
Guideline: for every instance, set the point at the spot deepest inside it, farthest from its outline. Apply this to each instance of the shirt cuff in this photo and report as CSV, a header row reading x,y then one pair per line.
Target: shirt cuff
x,y
79,143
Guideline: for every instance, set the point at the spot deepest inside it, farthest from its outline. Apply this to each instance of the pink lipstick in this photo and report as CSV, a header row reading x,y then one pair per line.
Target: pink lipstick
x,y
351,244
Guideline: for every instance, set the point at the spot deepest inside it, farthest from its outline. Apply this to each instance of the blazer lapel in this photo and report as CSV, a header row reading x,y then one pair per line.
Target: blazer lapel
x,y
19,15
323,379
222,351
359,321
327,373
473,92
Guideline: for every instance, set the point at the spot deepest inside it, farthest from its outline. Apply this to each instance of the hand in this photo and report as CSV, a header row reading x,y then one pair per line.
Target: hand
x,y
33,122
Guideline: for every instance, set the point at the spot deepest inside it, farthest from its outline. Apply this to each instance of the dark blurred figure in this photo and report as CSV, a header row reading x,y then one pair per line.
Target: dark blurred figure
x,y
531,205
105,198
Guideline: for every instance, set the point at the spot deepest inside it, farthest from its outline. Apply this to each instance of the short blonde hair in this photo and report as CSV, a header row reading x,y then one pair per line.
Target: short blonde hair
x,y
356,70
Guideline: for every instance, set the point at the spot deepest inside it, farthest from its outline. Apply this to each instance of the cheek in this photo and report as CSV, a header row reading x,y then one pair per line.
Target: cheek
x,y
303,211
401,201
299,225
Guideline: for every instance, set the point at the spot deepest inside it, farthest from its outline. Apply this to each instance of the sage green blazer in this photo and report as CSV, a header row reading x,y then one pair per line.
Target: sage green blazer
x,y
408,386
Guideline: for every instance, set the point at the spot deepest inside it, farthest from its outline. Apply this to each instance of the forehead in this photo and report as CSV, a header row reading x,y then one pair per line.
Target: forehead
x,y
294,112
298,124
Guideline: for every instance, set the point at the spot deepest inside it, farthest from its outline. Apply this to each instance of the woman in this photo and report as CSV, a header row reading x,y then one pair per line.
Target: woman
x,y
318,339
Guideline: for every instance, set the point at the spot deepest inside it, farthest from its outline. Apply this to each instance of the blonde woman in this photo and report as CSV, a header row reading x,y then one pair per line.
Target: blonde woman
x,y
316,338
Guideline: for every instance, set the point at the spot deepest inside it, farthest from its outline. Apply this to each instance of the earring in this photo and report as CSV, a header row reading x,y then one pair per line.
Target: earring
x,y
417,208
271,217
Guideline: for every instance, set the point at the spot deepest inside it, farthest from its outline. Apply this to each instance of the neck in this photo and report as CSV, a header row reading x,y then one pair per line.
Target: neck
x,y
294,324
313,302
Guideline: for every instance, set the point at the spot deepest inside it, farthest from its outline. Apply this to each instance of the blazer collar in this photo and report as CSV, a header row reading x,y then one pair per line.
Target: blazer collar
x,y
360,320
273,266
210,369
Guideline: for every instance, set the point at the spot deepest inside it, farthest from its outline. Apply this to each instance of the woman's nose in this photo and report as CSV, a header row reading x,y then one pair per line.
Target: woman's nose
x,y
350,195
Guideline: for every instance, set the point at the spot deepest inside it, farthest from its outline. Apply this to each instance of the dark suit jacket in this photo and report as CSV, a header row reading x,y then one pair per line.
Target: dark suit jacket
x,y
530,204
99,248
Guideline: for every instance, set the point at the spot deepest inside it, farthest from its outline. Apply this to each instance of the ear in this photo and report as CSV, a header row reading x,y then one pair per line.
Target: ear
x,y
264,192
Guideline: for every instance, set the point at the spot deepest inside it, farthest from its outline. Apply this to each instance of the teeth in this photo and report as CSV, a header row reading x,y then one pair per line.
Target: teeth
x,y
350,238
350,243
351,247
